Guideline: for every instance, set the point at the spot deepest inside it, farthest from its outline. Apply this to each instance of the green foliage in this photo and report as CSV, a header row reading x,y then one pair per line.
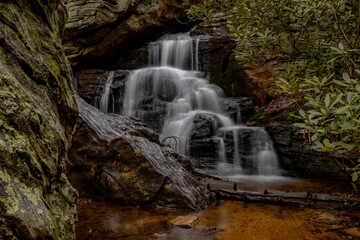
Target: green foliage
x,y
317,41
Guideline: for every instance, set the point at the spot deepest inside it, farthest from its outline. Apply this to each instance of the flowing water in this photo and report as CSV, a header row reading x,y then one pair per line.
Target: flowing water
x,y
104,101
171,95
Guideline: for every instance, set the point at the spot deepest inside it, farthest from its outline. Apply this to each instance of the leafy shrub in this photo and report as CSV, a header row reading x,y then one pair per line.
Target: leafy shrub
x,y
317,41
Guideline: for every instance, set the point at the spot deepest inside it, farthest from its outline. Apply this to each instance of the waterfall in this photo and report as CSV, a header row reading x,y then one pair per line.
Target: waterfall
x,y
176,51
104,101
171,96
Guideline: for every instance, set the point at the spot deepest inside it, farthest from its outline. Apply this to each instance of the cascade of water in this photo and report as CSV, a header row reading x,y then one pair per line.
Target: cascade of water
x,y
104,101
176,51
171,94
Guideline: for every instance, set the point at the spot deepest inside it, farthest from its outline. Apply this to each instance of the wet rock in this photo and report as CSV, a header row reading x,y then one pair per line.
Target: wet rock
x,y
88,82
204,126
238,109
37,115
228,71
181,159
119,159
330,218
296,155
91,83
97,30
294,151
355,232
188,221
203,145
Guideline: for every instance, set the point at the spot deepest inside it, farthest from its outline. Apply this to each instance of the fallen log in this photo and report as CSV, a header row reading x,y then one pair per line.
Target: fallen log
x,y
299,199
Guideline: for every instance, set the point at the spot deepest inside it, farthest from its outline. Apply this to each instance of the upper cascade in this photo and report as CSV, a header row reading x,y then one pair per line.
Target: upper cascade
x,y
172,97
180,51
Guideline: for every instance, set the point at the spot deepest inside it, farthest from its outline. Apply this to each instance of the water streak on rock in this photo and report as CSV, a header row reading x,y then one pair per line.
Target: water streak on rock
x,y
104,101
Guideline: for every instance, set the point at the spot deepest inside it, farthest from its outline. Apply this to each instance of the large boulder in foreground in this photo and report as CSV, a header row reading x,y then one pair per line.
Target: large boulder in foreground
x,y
37,115
96,29
119,159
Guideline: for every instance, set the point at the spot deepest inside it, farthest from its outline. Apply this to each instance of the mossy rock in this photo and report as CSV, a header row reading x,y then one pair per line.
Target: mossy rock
x,y
37,115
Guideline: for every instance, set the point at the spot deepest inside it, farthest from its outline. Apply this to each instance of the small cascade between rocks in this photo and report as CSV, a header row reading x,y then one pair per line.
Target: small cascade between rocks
x,y
104,101
172,96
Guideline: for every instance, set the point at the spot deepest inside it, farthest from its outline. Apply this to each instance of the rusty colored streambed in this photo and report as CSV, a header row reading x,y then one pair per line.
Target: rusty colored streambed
x,y
225,220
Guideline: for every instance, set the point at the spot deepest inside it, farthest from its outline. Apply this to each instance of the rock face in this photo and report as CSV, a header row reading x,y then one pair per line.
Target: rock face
x,y
295,153
120,159
91,84
203,146
227,71
37,115
96,29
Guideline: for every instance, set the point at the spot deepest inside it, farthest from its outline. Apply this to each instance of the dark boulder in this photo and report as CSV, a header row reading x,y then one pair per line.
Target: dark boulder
x,y
296,155
119,159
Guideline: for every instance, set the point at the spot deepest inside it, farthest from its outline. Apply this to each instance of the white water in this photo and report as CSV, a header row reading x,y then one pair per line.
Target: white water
x,y
180,51
173,79
104,101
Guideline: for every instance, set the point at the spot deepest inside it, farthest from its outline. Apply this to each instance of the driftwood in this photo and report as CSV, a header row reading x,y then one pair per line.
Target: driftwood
x,y
298,199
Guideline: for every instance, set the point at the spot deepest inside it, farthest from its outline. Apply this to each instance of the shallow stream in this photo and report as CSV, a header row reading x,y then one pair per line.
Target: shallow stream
x,y
225,220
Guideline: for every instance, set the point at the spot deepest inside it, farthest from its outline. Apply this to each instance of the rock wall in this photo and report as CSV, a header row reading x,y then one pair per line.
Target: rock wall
x,y
227,71
98,29
37,115
295,153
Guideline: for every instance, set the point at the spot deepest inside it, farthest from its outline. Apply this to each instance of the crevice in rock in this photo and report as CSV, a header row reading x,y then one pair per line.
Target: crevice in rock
x,y
156,196
225,63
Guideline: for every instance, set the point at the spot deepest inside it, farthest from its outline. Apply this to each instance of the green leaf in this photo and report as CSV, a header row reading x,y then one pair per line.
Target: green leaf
x,y
349,97
318,143
354,176
346,78
327,100
336,49
342,110
347,125
300,125
302,113
327,143
340,83
358,88
335,100
341,46
314,137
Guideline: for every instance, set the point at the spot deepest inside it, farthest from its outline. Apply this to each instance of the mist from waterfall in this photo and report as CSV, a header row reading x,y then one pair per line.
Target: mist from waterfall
x,y
172,82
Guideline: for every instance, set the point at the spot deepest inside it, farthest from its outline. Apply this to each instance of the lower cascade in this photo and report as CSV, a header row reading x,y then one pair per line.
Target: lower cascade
x,y
172,96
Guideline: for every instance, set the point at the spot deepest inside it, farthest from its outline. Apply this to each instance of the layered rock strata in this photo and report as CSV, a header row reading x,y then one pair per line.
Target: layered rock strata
x,y
97,29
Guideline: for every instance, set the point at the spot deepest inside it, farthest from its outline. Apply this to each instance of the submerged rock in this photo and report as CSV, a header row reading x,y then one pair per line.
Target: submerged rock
x,y
188,221
119,159
37,115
